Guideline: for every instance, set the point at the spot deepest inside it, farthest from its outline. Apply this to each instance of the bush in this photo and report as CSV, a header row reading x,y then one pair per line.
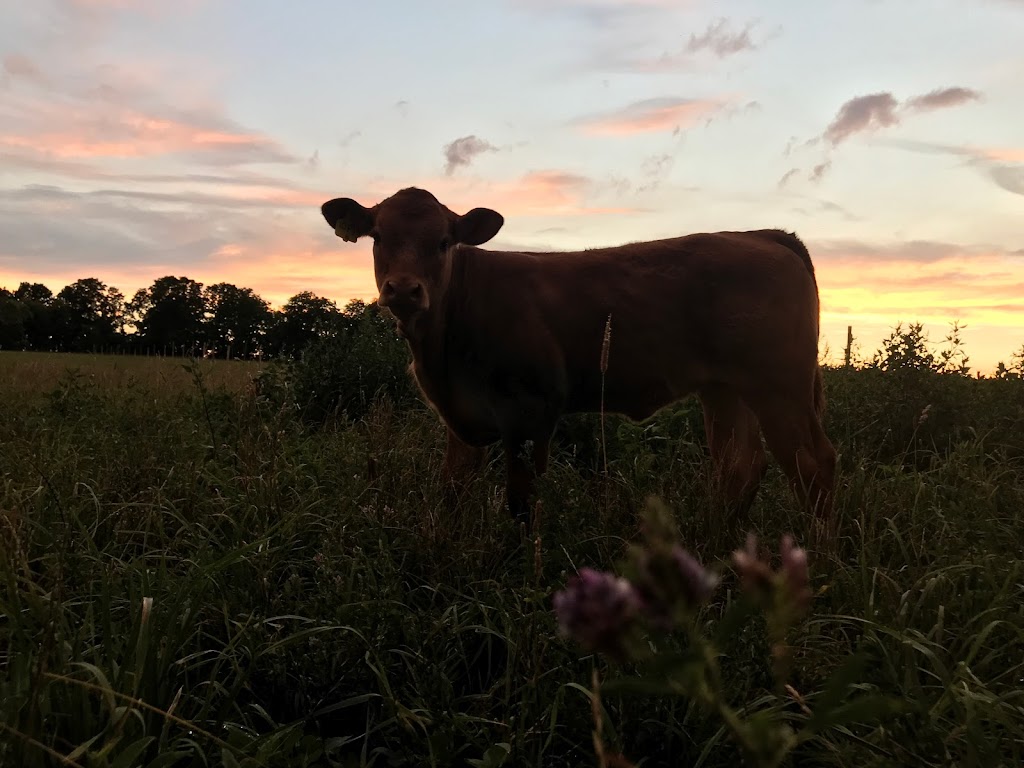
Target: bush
x,y
340,376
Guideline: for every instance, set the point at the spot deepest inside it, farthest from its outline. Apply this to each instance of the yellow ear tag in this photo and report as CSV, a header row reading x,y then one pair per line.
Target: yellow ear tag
x,y
344,232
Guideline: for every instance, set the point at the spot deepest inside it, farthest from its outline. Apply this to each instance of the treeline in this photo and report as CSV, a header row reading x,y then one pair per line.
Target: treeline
x,y
174,316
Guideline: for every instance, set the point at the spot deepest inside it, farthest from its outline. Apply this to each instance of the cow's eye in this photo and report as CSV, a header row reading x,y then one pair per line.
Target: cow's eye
x,y
444,245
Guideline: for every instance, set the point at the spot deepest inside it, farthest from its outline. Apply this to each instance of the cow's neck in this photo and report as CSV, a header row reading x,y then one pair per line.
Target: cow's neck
x,y
429,347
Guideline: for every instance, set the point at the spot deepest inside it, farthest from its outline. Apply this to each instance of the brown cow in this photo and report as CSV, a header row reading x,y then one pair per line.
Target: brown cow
x,y
503,343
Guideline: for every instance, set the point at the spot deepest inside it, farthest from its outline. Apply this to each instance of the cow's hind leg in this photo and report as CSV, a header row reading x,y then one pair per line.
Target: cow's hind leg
x,y
734,436
795,436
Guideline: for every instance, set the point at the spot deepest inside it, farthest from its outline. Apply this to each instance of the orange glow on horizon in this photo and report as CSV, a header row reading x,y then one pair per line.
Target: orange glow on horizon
x,y
872,295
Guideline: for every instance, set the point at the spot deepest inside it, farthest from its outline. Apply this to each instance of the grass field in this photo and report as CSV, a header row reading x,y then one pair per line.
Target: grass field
x,y
193,575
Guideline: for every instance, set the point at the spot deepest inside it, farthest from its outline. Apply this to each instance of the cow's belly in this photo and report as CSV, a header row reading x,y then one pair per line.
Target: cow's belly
x,y
637,396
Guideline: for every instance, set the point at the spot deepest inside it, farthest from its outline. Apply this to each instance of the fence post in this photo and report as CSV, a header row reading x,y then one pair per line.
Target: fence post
x,y
848,356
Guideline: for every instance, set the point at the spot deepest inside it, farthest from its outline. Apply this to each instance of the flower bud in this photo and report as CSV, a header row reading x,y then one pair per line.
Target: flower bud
x,y
596,609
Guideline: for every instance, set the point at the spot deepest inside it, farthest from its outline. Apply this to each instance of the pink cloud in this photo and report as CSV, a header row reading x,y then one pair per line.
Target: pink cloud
x,y
122,131
1000,154
649,116
21,66
537,193
542,192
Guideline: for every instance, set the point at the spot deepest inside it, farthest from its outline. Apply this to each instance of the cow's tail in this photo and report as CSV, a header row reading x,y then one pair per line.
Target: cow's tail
x,y
796,245
819,393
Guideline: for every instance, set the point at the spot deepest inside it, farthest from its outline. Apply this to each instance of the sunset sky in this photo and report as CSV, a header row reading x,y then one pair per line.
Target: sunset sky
x,y
199,137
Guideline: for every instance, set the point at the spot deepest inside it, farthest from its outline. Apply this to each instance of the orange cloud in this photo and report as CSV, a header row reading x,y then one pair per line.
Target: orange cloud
x,y
649,116
124,132
546,193
537,193
1001,154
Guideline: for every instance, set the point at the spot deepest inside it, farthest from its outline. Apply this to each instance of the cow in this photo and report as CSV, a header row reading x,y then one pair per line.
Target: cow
x,y
503,343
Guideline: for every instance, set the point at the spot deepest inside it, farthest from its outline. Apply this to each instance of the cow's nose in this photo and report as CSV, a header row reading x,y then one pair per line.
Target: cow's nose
x,y
402,292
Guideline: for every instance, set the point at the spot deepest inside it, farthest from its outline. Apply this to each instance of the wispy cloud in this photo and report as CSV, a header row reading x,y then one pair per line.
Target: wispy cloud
x,y
62,123
722,40
863,113
818,207
461,152
602,13
940,98
1003,165
131,236
787,177
649,116
20,66
818,171
548,193
872,113
882,110
654,170
544,192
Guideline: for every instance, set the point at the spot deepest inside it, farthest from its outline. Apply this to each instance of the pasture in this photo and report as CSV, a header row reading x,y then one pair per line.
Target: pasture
x,y
195,573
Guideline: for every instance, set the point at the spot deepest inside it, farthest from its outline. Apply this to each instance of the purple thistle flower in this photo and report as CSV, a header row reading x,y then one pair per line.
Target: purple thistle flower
x,y
795,574
698,583
755,574
596,609
669,578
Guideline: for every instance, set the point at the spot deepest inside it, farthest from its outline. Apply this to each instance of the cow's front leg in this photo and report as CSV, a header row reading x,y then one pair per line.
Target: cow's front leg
x,y
519,480
521,476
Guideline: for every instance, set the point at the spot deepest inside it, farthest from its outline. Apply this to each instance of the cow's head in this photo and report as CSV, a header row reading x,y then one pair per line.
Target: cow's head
x,y
413,235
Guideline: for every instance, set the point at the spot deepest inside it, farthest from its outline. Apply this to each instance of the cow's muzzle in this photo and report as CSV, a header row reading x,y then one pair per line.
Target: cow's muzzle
x,y
404,297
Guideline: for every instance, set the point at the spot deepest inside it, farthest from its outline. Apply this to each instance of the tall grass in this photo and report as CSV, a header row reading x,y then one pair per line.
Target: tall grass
x,y
193,575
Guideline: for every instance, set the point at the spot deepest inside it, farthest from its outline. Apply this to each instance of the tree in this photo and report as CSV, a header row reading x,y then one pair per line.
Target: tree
x,y
237,321
40,320
88,314
169,315
34,292
12,321
304,318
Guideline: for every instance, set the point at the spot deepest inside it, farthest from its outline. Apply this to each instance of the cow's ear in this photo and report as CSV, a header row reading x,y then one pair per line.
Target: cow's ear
x,y
478,226
347,218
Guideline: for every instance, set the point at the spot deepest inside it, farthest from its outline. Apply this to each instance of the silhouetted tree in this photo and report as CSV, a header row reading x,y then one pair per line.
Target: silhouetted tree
x,y
304,318
169,315
12,321
88,314
34,292
40,321
237,321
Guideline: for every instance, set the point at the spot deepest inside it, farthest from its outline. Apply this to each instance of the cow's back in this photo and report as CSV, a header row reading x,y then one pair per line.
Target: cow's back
x,y
730,306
